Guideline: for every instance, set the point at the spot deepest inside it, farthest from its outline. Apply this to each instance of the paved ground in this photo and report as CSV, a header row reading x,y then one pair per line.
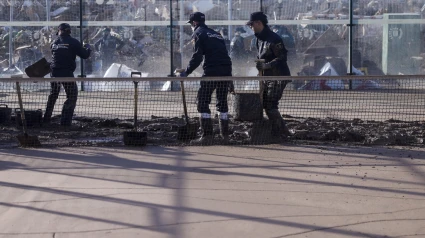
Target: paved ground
x,y
269,191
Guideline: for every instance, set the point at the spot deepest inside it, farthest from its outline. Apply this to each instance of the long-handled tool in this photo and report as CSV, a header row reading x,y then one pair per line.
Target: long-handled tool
x,y
189,130
39,69
260,82
135,138
25,140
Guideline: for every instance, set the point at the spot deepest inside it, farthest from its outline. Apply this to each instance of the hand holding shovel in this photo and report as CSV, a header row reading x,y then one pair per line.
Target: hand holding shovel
x,y
261,74
188,131
180,73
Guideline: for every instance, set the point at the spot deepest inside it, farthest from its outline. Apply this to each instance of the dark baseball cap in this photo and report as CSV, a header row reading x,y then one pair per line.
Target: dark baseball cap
x,y
64,26
196,16
240,29
257,16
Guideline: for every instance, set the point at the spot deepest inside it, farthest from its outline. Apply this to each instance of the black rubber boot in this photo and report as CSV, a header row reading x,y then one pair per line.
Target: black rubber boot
x,y
207,136
279,128
48,115
224,130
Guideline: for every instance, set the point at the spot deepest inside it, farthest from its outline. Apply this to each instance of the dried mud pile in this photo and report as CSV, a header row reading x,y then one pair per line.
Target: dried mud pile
x,y
163,131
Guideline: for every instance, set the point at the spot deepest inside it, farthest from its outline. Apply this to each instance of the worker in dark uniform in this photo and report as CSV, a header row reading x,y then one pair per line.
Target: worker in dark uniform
x,y
209,46
225,34
107,46
272,51
237,45
64,51
237,51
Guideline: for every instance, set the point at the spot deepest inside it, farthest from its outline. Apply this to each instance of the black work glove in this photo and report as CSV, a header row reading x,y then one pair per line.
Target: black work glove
x,y
231,88
262,66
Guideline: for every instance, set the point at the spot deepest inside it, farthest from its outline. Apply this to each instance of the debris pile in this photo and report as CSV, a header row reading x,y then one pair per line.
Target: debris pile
x,y
163,131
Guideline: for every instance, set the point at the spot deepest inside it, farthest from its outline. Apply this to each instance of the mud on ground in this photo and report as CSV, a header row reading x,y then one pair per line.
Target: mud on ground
x,y
163,131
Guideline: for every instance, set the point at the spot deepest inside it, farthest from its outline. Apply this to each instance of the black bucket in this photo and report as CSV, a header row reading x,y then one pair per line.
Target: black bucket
x,y
135,138
5,113
32,117
247,107
187,132
260,132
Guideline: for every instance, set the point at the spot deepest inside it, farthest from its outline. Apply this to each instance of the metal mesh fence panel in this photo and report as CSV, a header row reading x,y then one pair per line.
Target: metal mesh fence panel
x,y
311,30
379,110
153,37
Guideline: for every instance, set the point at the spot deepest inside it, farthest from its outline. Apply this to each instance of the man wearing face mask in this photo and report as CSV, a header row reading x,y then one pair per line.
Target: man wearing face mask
x,y
107,46
209,46
273,55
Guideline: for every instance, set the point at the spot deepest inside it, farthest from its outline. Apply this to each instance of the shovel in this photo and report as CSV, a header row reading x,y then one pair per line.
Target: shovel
x,y
135,138
25,140
189,130
260,82
39,69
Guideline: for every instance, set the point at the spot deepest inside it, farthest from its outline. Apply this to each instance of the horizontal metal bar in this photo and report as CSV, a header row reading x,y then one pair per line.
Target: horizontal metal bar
x,y
273,78
215,22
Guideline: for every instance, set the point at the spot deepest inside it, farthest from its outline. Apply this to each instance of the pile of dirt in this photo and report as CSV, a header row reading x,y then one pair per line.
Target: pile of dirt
x,y
163,131
390,132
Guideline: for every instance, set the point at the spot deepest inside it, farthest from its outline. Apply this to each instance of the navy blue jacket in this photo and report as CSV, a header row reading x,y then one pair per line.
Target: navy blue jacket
x,y
209,46
64,51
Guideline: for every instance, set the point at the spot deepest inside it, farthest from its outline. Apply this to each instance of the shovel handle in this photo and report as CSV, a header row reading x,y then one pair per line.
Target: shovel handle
x,y
21,106
136,96
136,73
184,102
260,82
136,99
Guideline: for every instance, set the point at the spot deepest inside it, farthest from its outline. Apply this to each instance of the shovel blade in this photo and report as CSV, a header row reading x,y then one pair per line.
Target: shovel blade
x,y
187,132
28,141
135,138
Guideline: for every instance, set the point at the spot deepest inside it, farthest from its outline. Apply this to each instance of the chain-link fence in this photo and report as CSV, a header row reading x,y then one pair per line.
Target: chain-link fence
x,y
152,39
325,41
377,110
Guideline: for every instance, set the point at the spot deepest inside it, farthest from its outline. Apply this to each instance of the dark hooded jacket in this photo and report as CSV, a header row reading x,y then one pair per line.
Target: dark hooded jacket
x,y
270,47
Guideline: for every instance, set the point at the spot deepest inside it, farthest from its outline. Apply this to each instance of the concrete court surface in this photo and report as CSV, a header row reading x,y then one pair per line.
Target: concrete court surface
x,y
256,191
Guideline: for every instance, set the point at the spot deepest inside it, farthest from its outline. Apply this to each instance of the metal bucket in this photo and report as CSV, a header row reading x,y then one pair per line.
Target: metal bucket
x,y
33,117
5,113
187,132
247,107
135,138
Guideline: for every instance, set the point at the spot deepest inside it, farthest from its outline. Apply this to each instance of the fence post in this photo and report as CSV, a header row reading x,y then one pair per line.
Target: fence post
x,y
11,51
82,44
350,45
172,86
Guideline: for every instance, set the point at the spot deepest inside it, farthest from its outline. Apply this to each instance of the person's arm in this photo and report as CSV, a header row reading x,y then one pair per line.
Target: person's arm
x,y
279,50
198,55
83,52
97,44
120,43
